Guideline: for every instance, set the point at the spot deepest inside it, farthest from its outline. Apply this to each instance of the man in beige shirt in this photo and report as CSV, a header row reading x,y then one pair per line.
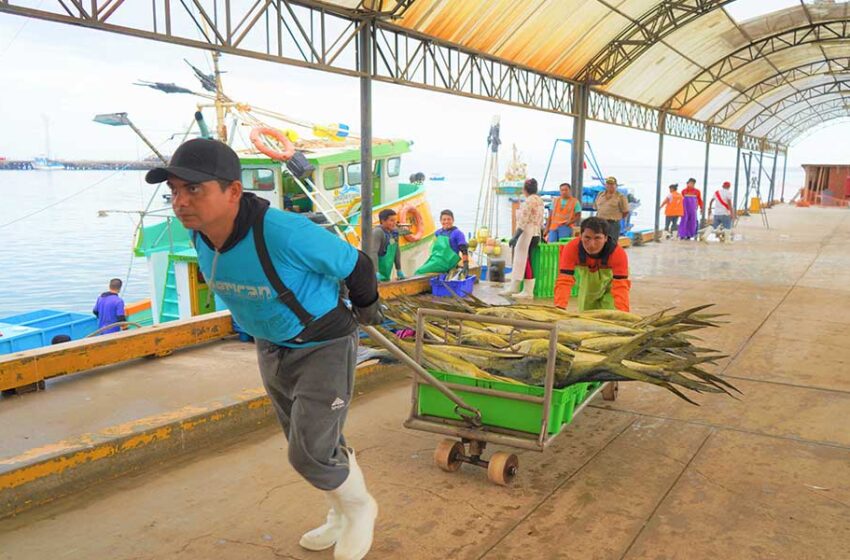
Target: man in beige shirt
x,y
612,207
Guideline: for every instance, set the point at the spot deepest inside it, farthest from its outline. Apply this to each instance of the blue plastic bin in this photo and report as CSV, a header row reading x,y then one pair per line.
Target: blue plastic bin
x,y
460,287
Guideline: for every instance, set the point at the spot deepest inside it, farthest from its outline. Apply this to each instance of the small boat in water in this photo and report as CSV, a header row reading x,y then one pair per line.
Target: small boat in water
x,y
437,177
41,163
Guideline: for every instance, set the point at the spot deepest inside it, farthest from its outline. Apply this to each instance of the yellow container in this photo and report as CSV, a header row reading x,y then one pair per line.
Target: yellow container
x,y
755,205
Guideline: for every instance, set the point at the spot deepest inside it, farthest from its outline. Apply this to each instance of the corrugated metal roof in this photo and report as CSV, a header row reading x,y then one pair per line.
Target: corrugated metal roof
x,y
563,38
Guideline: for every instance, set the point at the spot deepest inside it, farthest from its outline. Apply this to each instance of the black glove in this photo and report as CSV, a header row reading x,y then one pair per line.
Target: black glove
x,y
515,238
372,314
466,268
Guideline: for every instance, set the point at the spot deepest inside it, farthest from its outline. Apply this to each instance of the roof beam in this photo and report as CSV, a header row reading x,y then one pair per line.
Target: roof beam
x,y
785,77
758,49
818,110
796,98
807,128
650,28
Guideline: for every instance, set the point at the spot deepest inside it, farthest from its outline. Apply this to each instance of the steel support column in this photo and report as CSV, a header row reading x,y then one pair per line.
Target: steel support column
x,y
661,122
705,172
365,66
579,131
773,177
737,173
761,170
784,171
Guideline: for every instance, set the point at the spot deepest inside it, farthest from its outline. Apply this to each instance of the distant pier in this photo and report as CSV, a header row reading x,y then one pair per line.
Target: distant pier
x,y
79,165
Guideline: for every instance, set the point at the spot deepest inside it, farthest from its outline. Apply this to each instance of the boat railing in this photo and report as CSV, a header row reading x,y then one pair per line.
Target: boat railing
x,y
326,207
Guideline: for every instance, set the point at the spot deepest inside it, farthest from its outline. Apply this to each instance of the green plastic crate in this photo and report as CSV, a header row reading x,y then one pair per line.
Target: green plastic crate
x,y
544,261
502,412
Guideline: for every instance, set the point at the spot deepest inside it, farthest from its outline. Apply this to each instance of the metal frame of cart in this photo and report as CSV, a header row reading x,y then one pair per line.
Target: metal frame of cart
x,y
449,455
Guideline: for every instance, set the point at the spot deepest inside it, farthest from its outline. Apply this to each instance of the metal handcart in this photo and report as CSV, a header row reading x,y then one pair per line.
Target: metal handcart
x,y
470,432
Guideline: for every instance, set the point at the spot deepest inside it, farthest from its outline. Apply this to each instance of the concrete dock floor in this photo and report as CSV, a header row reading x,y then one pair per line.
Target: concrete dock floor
x,y
645,477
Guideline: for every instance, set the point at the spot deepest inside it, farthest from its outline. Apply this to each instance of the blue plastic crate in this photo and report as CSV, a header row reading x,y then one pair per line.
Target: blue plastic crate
x,y
460,287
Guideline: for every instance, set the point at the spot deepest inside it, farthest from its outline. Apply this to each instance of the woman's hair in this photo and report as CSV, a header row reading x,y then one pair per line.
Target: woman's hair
x,y
530,186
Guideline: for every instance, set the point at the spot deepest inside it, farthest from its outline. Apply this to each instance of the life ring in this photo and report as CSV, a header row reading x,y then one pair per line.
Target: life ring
x,y
417,224
258,134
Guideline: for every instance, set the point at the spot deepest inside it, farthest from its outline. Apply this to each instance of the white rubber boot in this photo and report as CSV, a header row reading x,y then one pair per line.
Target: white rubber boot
x,y
511,289
359,510
325,536
527,289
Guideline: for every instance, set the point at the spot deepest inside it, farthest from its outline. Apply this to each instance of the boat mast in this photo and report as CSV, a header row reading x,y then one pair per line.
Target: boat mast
x,y
220,100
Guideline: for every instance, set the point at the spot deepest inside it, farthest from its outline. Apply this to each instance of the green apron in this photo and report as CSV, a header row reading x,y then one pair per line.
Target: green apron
x,y
387,262
441,259
594,288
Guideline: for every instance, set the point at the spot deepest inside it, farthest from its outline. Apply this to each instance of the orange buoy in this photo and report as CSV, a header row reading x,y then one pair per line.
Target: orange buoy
x,y
410,214
258,139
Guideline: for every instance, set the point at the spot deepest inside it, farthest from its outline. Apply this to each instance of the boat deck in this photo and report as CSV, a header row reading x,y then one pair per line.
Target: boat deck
x,y
645,477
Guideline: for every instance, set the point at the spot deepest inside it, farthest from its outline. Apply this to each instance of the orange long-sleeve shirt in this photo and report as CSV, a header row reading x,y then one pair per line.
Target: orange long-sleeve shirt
x,y
611,257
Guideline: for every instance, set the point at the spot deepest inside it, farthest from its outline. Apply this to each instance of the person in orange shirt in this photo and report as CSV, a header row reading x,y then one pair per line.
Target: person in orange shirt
x,y
565,213
674,210
599,265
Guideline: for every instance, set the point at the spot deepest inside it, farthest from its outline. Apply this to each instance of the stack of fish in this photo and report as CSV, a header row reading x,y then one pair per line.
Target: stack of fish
x,y
592,346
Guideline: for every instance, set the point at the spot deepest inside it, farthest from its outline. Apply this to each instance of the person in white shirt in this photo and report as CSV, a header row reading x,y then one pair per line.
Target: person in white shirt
x,y
721,207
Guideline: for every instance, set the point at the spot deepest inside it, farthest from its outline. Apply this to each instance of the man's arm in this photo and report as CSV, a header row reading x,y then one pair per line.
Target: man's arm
x,y
576,214
375,246
621,285
398,256
624,206
362,286
567,261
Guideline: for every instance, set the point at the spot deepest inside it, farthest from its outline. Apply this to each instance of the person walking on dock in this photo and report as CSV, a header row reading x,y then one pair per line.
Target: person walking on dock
x,y
279,274
386,252
600,266
673,210
691,204
612,206
529,223
109,308
720,207
565,213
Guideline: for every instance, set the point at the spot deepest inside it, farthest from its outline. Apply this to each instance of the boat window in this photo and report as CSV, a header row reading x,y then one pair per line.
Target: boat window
x,y
332,177
393,167
354,174
258,179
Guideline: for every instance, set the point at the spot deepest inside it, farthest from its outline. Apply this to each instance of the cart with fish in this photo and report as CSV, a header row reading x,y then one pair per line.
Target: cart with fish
x,y
517,375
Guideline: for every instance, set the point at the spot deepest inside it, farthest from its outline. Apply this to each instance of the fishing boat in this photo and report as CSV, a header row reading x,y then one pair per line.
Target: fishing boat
x,y
42,163
515,175
322,181
437,177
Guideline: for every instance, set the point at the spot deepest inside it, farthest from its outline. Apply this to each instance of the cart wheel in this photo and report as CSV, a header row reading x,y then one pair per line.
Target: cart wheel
x,y
609,392
448,455
502,468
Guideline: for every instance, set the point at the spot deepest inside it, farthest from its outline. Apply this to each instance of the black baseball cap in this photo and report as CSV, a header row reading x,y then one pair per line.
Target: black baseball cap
x,y
199,160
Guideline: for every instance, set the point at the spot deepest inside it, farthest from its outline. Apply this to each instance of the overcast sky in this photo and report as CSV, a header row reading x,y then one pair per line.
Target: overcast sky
x,y
68,74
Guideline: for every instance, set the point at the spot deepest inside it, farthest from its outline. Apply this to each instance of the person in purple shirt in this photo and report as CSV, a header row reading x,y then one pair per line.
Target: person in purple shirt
x,y
109,308
449,248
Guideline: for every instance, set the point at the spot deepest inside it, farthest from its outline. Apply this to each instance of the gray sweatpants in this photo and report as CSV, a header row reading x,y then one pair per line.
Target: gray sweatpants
x,y
311,389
